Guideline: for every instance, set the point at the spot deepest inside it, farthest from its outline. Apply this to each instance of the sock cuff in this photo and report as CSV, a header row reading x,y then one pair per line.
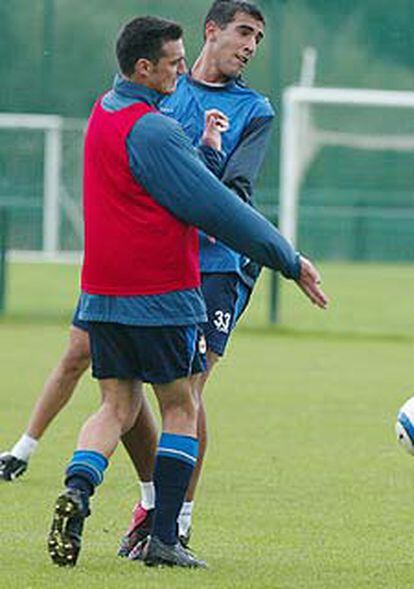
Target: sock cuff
x,y
184,448
25,447
89,464
147,494
187,508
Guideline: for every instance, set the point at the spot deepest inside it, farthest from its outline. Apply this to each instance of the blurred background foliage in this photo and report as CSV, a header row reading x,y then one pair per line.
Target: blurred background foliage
x,y
56,56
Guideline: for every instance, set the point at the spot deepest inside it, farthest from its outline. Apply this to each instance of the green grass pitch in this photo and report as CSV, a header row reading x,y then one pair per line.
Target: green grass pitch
x,y
304,485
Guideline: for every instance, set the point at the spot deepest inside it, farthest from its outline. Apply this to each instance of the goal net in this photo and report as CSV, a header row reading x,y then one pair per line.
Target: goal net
x,y
347,176
347,173
40,185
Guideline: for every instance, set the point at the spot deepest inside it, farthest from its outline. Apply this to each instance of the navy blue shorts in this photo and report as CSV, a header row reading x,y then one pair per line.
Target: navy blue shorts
x,y
226,298
158,354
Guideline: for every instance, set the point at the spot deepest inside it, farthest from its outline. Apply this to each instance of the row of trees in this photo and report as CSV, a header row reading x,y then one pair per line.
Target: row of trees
x,y
56,55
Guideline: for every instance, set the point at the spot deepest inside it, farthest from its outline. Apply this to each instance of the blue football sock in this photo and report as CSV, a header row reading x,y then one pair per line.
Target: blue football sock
x,y
87,490
85,472
176,458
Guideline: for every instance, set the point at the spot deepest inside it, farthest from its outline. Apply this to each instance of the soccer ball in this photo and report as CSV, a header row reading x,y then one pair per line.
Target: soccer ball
x,y
404,428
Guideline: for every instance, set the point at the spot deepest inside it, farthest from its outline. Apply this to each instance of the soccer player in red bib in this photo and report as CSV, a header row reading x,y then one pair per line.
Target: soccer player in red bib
x,y
145,192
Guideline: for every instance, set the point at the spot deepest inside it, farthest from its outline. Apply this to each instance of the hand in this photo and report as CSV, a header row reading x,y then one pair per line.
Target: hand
x,y
216,123
309,281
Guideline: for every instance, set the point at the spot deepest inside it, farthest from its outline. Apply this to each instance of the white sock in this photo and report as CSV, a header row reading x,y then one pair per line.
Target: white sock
x,y
184,519
24,447
147,495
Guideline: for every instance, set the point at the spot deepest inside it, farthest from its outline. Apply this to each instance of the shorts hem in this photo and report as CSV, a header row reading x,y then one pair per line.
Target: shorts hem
x,y
149,379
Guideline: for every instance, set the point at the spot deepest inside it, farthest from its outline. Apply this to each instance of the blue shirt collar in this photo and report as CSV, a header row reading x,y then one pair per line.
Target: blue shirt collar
x,y
230,83
132,90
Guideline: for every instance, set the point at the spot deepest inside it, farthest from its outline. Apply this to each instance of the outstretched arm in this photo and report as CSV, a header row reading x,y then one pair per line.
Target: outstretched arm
x,y
164,161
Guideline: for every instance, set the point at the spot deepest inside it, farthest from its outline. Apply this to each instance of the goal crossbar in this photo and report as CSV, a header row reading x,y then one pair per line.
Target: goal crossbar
x,y
350,96
301,140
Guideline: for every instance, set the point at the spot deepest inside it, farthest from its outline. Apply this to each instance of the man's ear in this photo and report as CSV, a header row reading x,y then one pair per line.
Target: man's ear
x,y
211,30
143,67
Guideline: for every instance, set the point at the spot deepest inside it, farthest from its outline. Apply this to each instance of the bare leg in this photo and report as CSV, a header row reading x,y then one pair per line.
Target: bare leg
x,y
61,383
176,456
121,401
97,441
200,383
141,442
178,407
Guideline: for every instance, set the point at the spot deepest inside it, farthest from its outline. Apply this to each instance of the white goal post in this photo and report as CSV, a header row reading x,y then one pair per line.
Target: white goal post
x,y
301,139
56,198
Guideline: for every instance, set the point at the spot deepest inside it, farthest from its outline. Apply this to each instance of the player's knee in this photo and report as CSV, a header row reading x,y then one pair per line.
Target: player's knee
x,y
75,363
184,408
77,357
124,411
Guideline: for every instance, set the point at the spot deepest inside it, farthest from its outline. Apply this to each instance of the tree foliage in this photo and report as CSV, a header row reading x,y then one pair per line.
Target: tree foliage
x,y
59,64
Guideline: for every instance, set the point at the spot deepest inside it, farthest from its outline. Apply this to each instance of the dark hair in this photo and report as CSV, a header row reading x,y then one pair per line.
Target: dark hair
x,y
222,12
144,37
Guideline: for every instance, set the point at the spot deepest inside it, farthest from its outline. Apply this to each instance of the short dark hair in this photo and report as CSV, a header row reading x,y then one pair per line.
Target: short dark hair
x,y
222,12
143,38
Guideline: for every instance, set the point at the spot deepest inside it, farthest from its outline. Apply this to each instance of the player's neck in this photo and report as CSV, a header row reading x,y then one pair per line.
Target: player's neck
x,y
205,69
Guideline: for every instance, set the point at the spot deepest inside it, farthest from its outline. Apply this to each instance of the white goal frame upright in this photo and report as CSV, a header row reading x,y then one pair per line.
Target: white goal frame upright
x,y
301,139
52,127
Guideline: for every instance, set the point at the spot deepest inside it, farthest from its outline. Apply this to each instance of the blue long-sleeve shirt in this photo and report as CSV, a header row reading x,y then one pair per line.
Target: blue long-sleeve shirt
x,y
166,164
244,145
163,160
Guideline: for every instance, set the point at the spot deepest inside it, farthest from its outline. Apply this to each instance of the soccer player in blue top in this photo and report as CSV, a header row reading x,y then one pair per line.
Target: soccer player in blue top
x,y
233,30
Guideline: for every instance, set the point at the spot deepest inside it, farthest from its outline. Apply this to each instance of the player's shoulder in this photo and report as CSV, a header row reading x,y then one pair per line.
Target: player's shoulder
x,y
259,102
156,128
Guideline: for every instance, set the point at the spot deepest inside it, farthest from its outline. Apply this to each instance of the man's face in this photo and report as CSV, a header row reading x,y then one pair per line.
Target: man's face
x,y
163,75
236,44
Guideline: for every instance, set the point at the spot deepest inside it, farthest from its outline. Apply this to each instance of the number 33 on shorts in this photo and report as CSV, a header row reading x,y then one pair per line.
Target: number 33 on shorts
x,y
222,321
